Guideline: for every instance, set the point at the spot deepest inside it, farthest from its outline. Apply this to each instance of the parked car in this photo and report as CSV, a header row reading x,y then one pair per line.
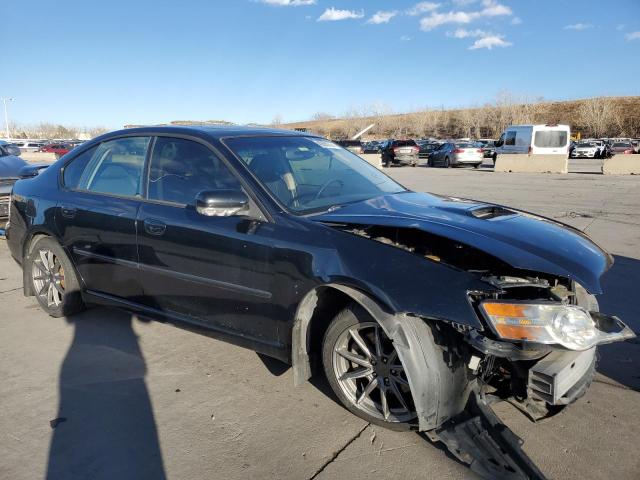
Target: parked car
x,y
12,168
399,153
488,150
371,147
292,246
636,145
354,146
59,149
621,148
590,149
29,145
454,154
10,148
426,149
534,140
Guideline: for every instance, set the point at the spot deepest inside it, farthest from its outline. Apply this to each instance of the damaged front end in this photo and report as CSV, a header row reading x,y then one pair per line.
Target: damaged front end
x,y
539,348
534,336
535,343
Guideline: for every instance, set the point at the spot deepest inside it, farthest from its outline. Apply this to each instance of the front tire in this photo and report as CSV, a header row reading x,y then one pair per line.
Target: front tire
x,y
365,372
53,279
447,163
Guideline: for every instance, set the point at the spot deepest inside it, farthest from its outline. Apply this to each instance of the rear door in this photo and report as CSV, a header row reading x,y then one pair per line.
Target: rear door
x,y
212,271
96,215
551,141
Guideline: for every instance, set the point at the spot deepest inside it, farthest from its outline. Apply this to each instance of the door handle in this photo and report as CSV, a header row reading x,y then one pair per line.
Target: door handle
x,y
68,212
154,227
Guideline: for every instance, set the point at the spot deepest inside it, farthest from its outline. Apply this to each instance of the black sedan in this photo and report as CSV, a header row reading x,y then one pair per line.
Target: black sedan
x,y
290,245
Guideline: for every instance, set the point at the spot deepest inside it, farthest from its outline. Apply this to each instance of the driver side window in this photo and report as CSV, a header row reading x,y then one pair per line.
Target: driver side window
x,y
180,169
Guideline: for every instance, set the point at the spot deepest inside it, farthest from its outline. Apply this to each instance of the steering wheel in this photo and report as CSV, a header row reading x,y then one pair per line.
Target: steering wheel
x,y
324,187
314,196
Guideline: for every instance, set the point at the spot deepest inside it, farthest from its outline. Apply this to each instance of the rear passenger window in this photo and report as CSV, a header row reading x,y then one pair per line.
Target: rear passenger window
x,y
511,138
74,170
115,167
180,169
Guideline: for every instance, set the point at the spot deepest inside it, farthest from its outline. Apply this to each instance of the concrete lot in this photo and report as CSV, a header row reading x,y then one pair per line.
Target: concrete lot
x,y
147,400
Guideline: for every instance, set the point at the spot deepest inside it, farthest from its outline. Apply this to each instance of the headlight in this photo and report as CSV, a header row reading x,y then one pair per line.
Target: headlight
x,y
566,325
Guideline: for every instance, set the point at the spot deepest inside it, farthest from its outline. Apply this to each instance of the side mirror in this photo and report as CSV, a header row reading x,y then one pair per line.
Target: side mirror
x,y
222,203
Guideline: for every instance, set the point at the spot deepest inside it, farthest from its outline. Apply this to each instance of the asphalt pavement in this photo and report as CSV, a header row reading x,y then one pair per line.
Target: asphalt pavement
x,y
106,394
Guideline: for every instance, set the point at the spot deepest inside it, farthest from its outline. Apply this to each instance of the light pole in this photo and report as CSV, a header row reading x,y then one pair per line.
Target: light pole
x,y
6,117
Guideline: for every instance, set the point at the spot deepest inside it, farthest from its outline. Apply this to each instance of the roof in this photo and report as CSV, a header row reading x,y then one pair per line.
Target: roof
x,y
214,131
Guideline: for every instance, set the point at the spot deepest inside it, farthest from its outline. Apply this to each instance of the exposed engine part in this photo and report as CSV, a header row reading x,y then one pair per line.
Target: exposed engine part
x,y
430,246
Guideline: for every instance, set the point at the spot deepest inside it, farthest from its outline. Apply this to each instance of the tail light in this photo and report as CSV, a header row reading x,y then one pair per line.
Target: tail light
x,y
416,149
629,150
479,150
458,150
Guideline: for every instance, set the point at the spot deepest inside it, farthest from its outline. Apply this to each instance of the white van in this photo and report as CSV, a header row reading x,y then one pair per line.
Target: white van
x,y
534,140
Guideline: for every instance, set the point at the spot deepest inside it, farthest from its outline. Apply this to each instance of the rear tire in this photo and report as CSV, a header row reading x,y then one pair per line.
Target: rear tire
x,y
447,163
374,386
53,279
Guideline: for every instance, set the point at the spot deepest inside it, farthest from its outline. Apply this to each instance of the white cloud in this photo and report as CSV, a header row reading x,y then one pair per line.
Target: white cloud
x,y
462,33
516,21
333,14
463,3
494,9
436,19
620,27
578,26
405,38
632,36
491,9
288,3
422,7
382,17
489,43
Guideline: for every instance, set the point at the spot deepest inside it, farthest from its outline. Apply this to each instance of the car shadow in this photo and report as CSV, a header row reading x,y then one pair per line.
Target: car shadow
x,y
621,361
105,426
276,367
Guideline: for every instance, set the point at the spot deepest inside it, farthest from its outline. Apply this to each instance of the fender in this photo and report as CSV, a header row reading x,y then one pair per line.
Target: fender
x,y
435,401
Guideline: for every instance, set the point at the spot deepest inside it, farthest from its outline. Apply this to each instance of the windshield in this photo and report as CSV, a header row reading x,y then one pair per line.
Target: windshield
x,y
310,174
550,139
465,145
586,145
621,144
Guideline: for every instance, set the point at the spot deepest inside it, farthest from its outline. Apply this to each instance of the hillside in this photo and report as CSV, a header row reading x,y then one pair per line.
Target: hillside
x,y
595,117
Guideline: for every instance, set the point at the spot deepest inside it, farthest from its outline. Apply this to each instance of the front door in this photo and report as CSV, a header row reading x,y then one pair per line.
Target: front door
x,y
212,271
96,215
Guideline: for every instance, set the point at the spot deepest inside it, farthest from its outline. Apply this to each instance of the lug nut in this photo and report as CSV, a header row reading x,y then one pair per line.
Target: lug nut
x,y
384,360
393,372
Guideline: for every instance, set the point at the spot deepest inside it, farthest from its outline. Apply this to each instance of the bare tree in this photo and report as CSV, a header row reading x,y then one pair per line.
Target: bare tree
x,y
598,115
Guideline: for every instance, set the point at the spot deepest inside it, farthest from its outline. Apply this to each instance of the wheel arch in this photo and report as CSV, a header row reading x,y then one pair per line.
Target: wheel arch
x,y
436,399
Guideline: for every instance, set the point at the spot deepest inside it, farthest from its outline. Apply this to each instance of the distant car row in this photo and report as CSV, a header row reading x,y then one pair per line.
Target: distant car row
x,y
603,148
58,148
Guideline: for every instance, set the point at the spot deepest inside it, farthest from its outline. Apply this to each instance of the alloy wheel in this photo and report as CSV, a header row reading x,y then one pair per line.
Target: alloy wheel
x,y
47,275
370,374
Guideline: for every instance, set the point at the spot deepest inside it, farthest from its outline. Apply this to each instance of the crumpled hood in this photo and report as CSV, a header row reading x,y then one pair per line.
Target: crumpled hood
x,y
521,239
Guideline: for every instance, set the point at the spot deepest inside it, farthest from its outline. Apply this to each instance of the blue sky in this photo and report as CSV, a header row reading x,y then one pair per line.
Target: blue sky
x,y
118,62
